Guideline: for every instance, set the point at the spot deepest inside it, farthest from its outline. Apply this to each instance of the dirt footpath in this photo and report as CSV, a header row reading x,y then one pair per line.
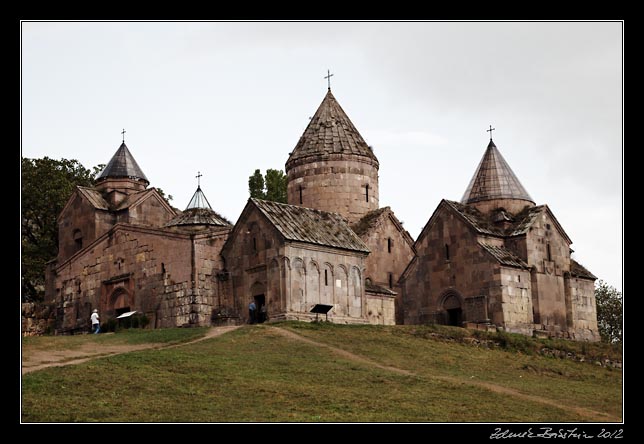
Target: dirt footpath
x,y
55,358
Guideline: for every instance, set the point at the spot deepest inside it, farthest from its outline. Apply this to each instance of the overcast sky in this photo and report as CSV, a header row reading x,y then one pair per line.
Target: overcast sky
x,y
227,98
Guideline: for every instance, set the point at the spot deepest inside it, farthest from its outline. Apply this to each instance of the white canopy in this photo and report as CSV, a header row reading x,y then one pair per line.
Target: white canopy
x,y
126,315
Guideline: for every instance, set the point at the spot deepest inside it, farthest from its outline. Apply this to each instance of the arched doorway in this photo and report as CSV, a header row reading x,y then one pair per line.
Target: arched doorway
x,y
258,294
119,301
453,309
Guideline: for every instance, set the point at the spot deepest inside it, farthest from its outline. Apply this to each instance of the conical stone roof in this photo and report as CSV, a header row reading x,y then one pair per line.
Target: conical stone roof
x,y
494,179
330,131
122,164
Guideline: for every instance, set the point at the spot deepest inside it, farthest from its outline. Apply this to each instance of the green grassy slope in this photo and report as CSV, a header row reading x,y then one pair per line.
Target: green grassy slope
x,y
257,374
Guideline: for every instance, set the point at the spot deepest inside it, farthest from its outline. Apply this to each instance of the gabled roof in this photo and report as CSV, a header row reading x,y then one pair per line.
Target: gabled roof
x,y
94,197
504,256
483,224
370,220
494,179
122,164
330,131
310,226
134,198
370,287
578,270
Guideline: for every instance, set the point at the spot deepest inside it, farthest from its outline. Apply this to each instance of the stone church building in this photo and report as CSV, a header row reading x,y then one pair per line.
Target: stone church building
x,y
495,259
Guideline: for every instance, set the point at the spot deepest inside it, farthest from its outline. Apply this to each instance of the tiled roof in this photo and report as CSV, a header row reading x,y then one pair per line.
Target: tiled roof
x,y
367,222
484,225
524,220
94,197
330,131
311,226
494,179
578,270
198,216
505,256
122,164
370,287
132,199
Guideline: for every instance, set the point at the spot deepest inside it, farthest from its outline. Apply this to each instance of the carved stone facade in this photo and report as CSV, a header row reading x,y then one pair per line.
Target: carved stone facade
x,y
289,259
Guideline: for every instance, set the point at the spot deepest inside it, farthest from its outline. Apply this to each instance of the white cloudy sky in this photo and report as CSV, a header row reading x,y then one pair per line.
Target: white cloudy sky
x,y
226,98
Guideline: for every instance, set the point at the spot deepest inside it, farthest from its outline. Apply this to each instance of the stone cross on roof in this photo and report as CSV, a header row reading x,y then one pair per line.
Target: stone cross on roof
x,y
123,134
328,78
490,131
198,176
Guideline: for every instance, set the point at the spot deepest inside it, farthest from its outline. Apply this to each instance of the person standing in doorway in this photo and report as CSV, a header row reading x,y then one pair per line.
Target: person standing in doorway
x,y
252,310
96,325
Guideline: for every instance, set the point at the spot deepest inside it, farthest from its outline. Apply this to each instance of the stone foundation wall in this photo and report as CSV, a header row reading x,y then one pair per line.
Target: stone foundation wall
x,y
37,319
380,309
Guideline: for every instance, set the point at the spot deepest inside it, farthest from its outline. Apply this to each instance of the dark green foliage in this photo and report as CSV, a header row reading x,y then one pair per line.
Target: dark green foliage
x,y
271,186
610,313
46,185
275,185
256,185
167,198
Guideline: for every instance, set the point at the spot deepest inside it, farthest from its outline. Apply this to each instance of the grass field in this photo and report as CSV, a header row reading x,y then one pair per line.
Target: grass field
x,y
257,374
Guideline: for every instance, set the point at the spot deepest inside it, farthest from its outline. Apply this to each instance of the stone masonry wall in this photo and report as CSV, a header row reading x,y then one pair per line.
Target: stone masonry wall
x,y
548,252
380,309
338,185
450,261
37,319
292,277
516,301
583,324
390,255
143,269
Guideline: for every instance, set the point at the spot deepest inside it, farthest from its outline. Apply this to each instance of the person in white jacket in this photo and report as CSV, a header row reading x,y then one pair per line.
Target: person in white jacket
x,y
96,325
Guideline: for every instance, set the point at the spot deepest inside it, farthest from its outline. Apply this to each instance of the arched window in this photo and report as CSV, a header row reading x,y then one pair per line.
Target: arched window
x,y
78,239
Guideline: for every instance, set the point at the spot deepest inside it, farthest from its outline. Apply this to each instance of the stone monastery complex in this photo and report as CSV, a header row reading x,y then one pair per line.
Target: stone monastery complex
x,y
493,260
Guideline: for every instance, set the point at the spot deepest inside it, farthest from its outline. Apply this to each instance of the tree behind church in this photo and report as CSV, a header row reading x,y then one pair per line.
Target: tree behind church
x,y
609,312
271,186
45,188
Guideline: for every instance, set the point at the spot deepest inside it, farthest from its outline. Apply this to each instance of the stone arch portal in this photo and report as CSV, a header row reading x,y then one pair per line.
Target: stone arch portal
x,y
452,306
119,301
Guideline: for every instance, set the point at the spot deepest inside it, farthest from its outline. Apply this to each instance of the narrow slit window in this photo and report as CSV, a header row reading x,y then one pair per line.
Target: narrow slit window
x,y
367,193
326,278
254,244
391,280
300,195
446,252
548,252
389,245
